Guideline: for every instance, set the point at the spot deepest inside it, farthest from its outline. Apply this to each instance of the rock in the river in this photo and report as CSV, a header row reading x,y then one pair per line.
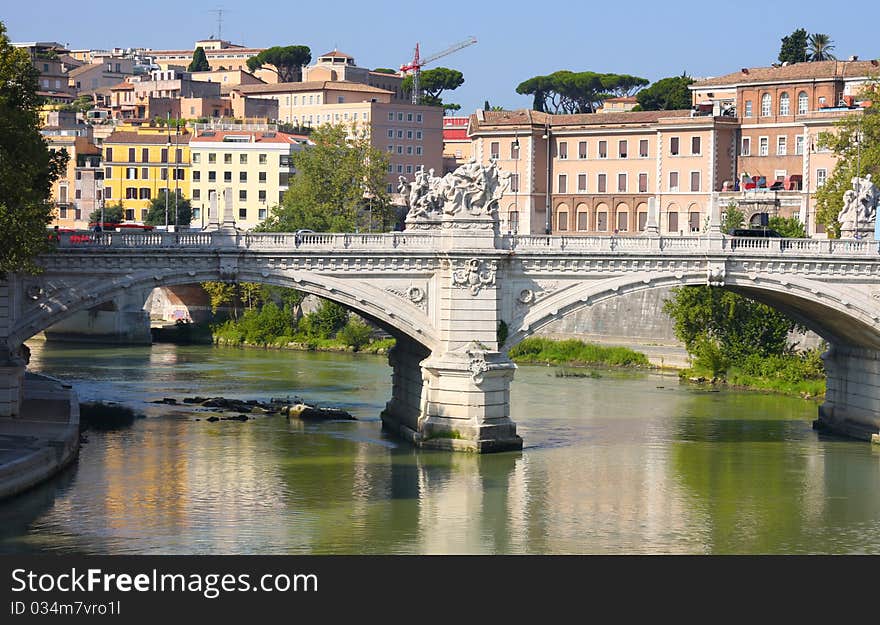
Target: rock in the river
x,y
305,412
212,419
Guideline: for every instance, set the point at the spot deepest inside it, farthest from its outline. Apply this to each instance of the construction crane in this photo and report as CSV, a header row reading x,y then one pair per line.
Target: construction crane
x,y
417,63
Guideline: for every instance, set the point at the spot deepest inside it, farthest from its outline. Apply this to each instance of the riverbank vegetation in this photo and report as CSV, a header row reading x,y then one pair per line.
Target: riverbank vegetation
x,y
736,341
266,316
572,352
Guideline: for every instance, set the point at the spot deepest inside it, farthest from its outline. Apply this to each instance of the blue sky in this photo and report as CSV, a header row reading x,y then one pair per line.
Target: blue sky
x,y
515,40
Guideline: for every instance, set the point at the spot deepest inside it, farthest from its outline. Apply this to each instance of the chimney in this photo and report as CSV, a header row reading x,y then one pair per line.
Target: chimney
x,y
745,70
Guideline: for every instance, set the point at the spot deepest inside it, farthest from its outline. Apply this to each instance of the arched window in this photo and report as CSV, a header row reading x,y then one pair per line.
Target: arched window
x,y
766,102
784,105
803,103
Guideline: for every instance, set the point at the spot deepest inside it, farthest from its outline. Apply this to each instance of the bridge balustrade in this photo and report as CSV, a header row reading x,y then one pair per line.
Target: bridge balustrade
x,y
428,241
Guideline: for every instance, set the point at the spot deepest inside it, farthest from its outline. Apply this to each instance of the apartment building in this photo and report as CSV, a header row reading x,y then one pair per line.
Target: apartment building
x,y
103,72
412,136
253,162
78,190
577,174
165,93
594,174
221,54
781,111
336,65
456,143
140,161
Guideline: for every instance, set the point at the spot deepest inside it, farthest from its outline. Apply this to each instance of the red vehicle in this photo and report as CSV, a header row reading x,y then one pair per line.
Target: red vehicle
x,y
123,227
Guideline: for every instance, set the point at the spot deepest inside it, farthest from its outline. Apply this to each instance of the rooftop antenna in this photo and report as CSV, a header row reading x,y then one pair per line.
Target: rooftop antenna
x,y
219,13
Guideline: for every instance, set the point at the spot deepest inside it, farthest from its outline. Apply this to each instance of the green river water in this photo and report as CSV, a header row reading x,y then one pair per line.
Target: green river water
x,y
623,463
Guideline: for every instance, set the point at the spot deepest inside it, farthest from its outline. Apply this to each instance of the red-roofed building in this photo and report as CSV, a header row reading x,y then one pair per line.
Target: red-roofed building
x,y
456,142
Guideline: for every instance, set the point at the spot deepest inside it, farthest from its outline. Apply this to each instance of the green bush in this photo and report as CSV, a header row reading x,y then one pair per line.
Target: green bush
x,y
709,355
572,351
355,334
325,322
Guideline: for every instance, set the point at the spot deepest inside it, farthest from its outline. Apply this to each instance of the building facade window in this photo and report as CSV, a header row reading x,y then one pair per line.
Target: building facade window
x,y
821,177
562,149
643,148
621,183
746,149
763,146
563,221
514,183
766,105
695,146
603,149
582,183
673,146
695,181
643,183
582,149
803,103
622,148
784,104
673,181
799,144
748,108
781,145
600,183
672,222
562,185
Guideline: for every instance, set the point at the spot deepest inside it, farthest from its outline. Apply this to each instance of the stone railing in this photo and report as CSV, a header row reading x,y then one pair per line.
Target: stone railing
x,y
691,244
248,240
429,241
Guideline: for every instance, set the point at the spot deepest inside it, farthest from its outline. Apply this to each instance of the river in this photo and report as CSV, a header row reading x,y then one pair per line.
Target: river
x,y
621,462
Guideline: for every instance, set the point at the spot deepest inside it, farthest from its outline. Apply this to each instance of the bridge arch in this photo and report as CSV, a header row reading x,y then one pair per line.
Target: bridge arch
x,y
840,316
398,314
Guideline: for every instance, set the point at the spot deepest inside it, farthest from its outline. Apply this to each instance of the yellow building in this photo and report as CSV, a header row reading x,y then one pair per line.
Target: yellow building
x,y
140,161
253,163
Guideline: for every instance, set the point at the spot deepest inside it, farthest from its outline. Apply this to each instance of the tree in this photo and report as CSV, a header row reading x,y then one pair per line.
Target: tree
x,y
790,227
740,327
854,158
577,92
794,47
339,185
732,219
199,62
27,167
385,70
286,61
156,213
667,94
433,82
820,47
113,214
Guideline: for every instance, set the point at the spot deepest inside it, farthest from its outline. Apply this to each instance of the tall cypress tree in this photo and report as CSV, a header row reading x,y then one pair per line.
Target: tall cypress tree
x,y
199,62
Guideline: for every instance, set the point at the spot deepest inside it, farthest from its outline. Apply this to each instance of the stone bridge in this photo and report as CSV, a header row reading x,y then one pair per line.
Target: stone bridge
x,y
445,292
